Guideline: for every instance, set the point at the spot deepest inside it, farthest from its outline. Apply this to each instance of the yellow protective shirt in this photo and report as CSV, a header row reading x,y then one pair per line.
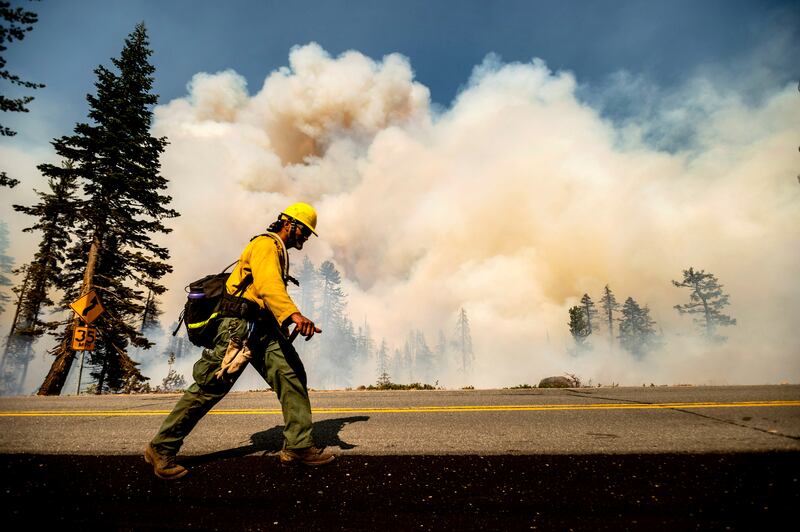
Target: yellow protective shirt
x,y
266,259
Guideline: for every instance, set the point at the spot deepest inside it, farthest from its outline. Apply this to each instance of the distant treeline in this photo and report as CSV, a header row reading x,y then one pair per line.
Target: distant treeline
x,y
635,330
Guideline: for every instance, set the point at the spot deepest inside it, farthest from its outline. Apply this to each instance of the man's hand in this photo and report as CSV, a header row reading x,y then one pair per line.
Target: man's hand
x,y
304,325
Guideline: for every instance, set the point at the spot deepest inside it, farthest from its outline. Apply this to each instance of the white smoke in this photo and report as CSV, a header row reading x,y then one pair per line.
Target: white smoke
x,y
511,203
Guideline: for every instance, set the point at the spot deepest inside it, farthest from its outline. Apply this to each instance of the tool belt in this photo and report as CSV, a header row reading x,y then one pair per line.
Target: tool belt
x,y
232,306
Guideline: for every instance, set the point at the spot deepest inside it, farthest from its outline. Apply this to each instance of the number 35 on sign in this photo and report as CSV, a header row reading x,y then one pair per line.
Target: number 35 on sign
x,y
83,338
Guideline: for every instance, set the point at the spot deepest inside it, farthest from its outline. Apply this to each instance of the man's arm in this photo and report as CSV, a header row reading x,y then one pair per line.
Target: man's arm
x,y
269,287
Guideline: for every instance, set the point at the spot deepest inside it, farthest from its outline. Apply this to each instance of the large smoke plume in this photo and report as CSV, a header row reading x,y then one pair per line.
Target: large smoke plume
x,y
511,203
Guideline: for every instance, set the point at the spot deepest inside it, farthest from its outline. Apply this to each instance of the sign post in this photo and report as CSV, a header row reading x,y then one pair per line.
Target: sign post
x,y
88,308
80,374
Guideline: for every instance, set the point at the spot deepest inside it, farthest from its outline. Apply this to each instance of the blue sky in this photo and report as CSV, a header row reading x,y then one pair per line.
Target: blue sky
x,y
663,42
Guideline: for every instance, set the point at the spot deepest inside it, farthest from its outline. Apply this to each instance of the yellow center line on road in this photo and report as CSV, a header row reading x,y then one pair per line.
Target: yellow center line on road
x,y
412,409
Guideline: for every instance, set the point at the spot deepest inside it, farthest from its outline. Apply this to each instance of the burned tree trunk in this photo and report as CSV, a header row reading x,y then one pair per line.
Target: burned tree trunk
x,y
57,376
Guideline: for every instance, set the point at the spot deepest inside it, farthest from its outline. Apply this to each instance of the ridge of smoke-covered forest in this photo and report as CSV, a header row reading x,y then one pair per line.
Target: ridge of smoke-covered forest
x,y
348,355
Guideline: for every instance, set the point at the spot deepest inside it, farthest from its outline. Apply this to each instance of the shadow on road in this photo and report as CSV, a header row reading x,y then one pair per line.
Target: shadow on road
x,y
326,434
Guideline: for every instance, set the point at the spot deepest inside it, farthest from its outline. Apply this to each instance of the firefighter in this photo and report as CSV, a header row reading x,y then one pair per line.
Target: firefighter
x,y
255,332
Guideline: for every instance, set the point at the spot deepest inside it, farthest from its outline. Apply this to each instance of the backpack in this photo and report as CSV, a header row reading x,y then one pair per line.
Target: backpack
x,y
207,301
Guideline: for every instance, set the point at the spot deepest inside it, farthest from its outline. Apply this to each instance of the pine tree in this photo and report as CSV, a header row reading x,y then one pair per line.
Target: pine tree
x,y
332,300
309,285
609,305
706,301
424,363
178,345
464,342
174,381
590,312
343,349
15,23
116,161
6,267
383,364
338,341
579,327
407,358
56,215
637,332
150,324
364,345
442,352
18,350
398,367
307,296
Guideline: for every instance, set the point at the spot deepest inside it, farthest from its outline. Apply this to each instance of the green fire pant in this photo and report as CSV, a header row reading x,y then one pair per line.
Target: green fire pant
x,y
275,360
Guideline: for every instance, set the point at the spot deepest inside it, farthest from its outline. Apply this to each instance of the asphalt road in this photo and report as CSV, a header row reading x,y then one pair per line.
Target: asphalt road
x,y
672,458
493,422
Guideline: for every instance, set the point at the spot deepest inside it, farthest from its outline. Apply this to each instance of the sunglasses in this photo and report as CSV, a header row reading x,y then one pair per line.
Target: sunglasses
x,y
305,231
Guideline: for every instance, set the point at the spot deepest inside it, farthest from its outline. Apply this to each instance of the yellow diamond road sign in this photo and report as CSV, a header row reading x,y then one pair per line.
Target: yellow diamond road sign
x,y
88,307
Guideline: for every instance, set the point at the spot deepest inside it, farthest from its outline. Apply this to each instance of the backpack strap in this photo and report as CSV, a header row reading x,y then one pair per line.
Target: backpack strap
x,y
228,267
283,257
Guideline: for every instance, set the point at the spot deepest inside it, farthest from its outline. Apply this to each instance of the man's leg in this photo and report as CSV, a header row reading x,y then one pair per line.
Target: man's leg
x,y
190,409
281,367
199,398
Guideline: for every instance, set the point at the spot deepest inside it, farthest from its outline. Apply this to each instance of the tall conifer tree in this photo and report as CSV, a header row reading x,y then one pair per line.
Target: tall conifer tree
x,y
309,285
337,343
399,366
14,24
590,312
56,213
116,161
151,324
56,216
579,327
609,305
6,266
307,297
637,332
706,301
332,297
383,364
424,363
464,342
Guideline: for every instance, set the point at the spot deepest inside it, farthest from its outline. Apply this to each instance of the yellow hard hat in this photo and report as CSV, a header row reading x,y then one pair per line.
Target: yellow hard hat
x,y
303,213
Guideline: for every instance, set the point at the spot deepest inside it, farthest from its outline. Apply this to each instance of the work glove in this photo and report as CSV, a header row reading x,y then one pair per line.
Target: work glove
x,y
237,355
